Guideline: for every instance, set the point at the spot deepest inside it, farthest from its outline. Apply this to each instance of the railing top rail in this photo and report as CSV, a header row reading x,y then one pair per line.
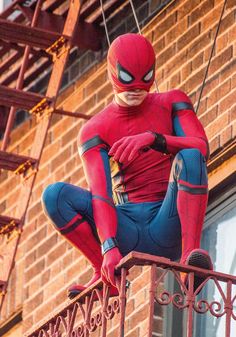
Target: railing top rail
x,y
136,258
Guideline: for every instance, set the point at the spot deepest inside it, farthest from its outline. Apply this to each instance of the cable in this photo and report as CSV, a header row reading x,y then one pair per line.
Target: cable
x,y
135,16
139,30
209,61
105,24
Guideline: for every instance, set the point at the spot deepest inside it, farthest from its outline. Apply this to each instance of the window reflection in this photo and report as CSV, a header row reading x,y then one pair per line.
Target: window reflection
x,y
219,238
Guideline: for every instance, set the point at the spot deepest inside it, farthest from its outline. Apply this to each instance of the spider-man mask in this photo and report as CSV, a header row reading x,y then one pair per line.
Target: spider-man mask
x,y
131,63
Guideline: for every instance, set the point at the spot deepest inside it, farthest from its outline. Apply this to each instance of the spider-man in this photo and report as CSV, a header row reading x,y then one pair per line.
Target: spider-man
x,y
144,158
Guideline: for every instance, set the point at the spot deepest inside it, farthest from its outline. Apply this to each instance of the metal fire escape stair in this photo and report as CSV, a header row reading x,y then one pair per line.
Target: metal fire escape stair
x,y
56,46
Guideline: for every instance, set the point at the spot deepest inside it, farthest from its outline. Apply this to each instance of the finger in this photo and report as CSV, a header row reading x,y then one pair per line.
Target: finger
x,y
133,154
121,149
112,277
126,153
116,145
104,276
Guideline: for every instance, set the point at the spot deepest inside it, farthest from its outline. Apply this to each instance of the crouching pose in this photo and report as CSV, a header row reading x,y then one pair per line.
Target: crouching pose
x,y
144,158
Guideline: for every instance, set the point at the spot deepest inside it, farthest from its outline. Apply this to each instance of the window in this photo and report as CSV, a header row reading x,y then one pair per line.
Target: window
x,y
219,239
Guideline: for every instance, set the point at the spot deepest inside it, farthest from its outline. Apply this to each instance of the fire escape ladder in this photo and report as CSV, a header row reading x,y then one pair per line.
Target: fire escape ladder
x,y
58,47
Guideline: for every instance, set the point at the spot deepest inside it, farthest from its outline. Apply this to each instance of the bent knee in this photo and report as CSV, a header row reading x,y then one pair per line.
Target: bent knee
x,y
191,155
50,197
194,167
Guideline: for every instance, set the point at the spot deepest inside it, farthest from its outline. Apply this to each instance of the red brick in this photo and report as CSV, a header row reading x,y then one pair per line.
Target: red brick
x,y
220,60
227,22
228,70
214,144
103,91
222,42
138,316
35,269
233,113
34,302
226,135
186,71
47,245
50,150
176,31
43,310
204,8
195,81
211,19
166,55
61,158
175,81
232,33
234,129
57,252
199,44
188,37
197,61
216,95
228,101
217,125
165,25
187,7
96,83
173,65
209,116
38,236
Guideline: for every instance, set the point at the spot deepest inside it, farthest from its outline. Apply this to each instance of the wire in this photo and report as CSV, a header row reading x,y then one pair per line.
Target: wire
x,y
211,55
105,24
139,30
135,16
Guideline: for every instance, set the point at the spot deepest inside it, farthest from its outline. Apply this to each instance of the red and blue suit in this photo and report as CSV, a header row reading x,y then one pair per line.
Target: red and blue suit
x,y
154,202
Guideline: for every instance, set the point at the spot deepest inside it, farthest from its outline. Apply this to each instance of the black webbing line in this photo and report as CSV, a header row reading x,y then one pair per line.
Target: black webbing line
x,y
209,61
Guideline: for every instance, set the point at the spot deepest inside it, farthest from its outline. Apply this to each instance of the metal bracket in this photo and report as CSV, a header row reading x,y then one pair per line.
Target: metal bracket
x,y
8,228
24,168
58,48
43,108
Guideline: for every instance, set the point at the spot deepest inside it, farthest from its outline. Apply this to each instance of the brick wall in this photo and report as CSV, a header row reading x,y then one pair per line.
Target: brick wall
x,y
182,36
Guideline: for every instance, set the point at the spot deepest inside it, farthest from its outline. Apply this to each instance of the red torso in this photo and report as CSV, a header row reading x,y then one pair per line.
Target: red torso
x,y
146,178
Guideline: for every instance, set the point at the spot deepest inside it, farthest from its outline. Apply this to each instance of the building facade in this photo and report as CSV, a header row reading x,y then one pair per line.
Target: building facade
x,y
182,33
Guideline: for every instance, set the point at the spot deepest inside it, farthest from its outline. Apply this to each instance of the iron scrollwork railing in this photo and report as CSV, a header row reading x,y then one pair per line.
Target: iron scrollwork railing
x,y
93,308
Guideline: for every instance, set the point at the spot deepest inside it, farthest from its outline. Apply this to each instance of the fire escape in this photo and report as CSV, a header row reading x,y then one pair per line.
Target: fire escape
x,y
34,37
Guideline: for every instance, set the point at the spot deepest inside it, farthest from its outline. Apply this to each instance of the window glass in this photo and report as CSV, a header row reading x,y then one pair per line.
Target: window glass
x,y
219,238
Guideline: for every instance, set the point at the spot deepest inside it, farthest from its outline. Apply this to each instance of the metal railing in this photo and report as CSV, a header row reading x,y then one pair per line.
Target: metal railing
x,y
93,308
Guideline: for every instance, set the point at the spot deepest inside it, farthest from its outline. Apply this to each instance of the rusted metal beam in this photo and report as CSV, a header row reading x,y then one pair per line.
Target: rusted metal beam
x,y
18,98
8,224
12,161
72,114
31,36
88,35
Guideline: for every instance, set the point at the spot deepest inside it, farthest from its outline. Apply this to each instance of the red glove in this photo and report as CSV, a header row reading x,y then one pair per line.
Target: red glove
x,y
110,261
128,148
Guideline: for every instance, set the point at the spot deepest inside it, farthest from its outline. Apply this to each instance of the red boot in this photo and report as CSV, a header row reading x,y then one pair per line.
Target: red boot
x,y
201,259
82,237
191,208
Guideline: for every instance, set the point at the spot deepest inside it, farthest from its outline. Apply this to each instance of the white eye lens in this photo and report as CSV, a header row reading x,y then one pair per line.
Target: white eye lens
x,y
149,75
124,76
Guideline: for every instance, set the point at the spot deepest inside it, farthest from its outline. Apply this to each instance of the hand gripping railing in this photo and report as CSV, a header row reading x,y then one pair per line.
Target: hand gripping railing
x,y
93,308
